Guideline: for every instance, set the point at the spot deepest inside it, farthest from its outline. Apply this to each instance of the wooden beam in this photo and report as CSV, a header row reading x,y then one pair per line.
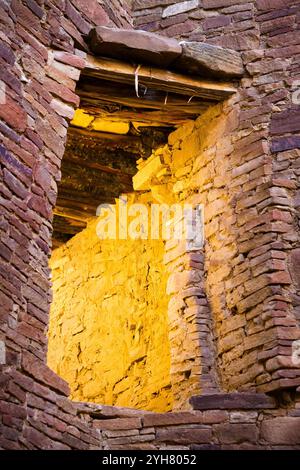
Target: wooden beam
x,y
70,213
104,136
157,79
67,226
161,118
123,176
103,92
79,196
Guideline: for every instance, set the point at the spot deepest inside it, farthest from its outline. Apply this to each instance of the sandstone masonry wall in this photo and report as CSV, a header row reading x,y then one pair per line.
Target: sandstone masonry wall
x,y
108,332
41,55
243,158
208,429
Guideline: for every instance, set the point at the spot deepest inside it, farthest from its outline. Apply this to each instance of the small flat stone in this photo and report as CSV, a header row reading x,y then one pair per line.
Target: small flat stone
x,y
199,58
135,45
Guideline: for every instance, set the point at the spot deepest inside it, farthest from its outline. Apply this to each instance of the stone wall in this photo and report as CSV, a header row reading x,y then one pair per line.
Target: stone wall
x,y
242,160
108,332
241,264
256,187
41,54
234,428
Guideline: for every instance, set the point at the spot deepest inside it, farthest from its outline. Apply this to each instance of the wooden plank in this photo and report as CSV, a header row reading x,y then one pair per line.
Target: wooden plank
x,y
84,197
106,136
124,177
157,79
71,213
103,92
159,118
67,226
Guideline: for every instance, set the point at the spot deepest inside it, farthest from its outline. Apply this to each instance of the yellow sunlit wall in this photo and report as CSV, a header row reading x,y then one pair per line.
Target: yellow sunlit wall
x,y
108,333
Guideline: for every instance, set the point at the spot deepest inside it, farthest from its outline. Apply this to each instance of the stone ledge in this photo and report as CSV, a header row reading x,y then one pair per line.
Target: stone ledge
x,y
232,401
188,57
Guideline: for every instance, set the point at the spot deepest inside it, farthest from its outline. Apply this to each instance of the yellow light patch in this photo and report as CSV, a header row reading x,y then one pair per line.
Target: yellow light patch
x,y
108,332
81,119
114,127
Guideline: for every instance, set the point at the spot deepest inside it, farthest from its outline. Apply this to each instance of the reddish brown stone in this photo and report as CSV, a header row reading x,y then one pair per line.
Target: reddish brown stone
x,y
93,11
285,430
232,401
13,114
286,121
36,368
295,266
214,22
143,4
38,11
136,45
15,185
270,4
220,3
204,59
184,436
118,423
77,19
69,59
28,19
61,91
7,54
214,416
169,419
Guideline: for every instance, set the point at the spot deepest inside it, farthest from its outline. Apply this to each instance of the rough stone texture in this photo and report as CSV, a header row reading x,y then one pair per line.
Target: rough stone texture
x,y
284,430
206,156
204,59
109,304
141,47
42,51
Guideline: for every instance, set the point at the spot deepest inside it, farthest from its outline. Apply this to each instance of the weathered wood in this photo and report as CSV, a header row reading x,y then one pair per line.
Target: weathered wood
x,y
199,58
103,92
67,226
137,45
84,198
157,79
102,187
125,177
155,107
71,213
160,118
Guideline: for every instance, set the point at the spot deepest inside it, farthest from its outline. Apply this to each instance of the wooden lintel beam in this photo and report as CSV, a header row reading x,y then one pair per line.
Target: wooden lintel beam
x,y
124,177
75,214
155,78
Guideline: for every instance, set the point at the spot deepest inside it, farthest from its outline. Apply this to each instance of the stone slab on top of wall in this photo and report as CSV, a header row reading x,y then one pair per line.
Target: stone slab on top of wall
x,y
134,45
199,58
194,58
108,332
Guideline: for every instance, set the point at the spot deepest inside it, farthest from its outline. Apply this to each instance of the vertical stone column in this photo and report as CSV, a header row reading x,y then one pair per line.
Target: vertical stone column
x,y
190,325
